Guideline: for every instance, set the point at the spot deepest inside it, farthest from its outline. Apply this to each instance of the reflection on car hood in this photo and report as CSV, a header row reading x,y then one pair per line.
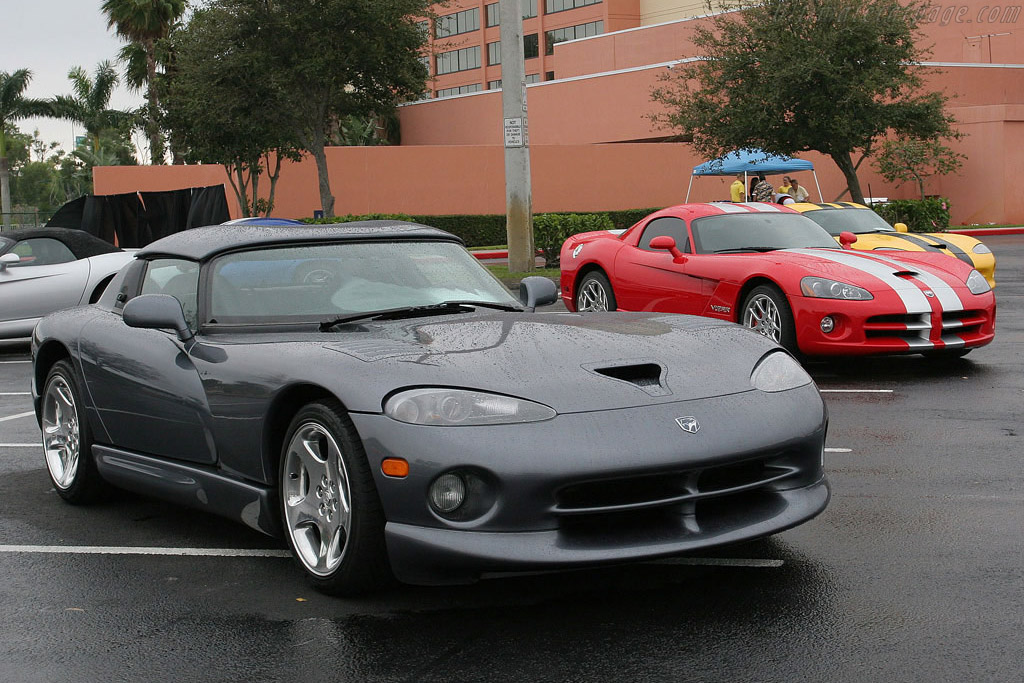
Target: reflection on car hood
x,y
571,362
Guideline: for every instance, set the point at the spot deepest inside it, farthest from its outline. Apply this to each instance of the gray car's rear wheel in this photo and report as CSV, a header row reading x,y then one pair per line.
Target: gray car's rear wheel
x,y
766,311
595,293
67,439
329,505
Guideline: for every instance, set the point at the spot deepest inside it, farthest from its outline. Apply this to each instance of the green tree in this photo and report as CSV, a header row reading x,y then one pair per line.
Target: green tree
x,y
90,106
789,76
14,106
145,22
223,105
913,159
337,58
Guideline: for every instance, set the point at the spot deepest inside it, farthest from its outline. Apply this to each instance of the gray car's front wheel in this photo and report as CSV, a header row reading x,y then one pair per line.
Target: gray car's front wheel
x,y
67,439
329,504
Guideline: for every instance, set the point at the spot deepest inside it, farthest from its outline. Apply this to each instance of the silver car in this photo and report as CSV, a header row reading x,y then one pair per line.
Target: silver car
x,y
43,270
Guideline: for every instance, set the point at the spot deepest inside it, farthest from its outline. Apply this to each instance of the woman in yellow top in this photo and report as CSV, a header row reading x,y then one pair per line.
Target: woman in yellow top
x,y
787,186
737,191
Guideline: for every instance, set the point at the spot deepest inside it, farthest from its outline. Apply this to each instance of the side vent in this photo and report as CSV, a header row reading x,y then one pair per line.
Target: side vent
x,y
646,376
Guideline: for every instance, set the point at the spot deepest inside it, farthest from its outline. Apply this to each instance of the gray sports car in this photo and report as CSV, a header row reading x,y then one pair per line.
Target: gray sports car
x,y
374,394
45,269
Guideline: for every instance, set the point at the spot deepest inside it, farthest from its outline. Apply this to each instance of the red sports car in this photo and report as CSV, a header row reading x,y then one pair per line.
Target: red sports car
x,y
778,272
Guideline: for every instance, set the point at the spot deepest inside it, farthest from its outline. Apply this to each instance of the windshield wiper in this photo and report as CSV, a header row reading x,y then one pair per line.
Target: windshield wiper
x,y
758,249
417,311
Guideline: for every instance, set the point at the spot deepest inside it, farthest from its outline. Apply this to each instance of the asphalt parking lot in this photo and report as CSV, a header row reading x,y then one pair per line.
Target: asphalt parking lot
x,y
914,572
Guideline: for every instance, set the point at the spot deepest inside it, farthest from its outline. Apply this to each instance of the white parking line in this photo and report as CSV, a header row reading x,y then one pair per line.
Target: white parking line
x,y
719,562
21,445
128,550
839,450
856,391
11,362
15,393
15,417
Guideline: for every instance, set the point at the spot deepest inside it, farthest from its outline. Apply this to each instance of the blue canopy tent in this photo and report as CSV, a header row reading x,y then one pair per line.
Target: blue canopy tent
x,y
751,162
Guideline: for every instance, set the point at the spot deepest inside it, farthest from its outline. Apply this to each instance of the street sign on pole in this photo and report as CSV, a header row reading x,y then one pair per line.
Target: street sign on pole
x,y
518,195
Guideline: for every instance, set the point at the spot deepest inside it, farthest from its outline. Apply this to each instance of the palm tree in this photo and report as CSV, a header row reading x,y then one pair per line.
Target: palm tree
x,y
144,22
89,106
14,106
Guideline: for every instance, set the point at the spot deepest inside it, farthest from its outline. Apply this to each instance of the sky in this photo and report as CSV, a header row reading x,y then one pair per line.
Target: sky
x,y
49,37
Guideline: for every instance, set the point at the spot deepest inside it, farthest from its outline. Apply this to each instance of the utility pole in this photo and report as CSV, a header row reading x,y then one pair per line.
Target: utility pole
x,y
518,195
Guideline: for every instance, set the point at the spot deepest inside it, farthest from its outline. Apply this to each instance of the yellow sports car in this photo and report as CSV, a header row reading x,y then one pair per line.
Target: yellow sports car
x,y
874,233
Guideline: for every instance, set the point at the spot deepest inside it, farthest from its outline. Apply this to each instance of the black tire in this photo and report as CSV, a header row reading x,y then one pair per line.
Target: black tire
x,y
67,438
595,293
323,469
766,311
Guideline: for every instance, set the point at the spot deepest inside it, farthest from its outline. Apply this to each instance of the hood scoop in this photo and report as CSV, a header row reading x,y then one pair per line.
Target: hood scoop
x,y
905,273
648,376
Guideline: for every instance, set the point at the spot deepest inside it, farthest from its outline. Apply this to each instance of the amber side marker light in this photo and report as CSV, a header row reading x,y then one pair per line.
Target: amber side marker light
x,y
394,467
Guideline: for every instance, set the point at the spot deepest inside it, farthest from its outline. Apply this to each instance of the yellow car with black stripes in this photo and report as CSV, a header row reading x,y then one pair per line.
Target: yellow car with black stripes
x,y
873,233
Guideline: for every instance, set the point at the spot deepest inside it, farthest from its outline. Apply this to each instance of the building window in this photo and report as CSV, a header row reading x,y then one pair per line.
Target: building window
x,y
549,75
460,22
425,60
461,90
494,85
458,60
533,78
531,46
560,35
494,53
494,15
552,6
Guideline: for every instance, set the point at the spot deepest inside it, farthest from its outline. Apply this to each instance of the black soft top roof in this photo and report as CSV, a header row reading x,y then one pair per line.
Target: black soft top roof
x,y
199,244
81,243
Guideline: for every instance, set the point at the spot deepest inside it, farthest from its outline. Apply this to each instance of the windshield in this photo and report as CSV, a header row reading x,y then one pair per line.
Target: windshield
x,y
317,282
757,232
857,221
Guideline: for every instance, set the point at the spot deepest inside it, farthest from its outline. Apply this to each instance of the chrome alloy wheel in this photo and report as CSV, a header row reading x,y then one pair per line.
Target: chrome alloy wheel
x,y
762,315
592,297
61,432
317,499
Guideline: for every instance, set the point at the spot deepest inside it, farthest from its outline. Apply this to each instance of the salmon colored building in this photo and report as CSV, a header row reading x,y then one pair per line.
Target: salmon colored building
x,y
590,68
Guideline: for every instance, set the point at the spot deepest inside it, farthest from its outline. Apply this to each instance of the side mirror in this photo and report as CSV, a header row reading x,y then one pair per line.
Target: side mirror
x,y
8,260
846,239
900,227
537,291
157,312
668,244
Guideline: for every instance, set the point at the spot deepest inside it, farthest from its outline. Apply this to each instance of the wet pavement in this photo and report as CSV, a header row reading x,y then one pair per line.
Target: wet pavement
x,y
914,572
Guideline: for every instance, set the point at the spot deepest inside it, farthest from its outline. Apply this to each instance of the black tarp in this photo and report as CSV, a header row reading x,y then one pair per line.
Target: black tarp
x,y
135,219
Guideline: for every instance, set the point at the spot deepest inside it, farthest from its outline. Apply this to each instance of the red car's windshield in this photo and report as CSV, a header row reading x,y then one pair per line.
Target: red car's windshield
x,y
758,232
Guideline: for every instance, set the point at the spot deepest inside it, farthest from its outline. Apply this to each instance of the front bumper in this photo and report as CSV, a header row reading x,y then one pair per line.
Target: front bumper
x,y
605,487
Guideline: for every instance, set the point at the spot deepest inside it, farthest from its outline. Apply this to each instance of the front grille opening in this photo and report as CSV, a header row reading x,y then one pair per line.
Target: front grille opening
x,y
614,492
643,375
731,476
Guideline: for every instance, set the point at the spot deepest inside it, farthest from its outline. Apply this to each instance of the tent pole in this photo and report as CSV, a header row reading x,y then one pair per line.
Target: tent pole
x,y
688,190
820,197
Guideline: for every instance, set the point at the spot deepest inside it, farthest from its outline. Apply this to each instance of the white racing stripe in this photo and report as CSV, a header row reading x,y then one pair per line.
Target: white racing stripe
x,y
913,298
129,550
947,296
725,207
15,417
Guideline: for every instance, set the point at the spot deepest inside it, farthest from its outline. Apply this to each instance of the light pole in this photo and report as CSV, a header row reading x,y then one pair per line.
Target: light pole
x,y
518,195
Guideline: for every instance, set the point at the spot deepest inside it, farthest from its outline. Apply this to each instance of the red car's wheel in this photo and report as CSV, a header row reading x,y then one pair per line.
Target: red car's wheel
x,y
595,293
766,311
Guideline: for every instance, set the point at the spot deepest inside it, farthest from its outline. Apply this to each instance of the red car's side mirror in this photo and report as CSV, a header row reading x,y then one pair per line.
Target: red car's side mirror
x,y
846,239
668,244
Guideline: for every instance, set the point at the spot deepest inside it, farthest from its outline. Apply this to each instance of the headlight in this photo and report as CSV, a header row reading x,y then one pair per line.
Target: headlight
x,y
460,407
980,248
778,372
821,288
977,283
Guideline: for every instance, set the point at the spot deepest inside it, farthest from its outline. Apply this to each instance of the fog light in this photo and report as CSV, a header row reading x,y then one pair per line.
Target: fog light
x,y
447,493
827,324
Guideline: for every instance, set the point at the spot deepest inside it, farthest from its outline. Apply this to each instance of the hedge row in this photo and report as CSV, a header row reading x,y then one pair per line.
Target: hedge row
x,y
920,215
489,229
